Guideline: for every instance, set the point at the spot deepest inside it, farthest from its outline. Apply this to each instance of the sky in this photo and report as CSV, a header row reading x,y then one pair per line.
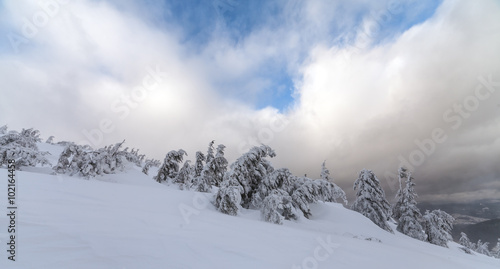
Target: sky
x,y
358,84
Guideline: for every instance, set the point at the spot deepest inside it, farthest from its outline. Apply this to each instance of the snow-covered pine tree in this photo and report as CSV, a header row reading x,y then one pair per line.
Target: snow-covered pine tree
x,y
85,162
21,147
219,166
278,206
482,248
464,241
303,191
213,171
306,193
370,199
396,209
249,170
50,140
170,166
134,157
329,192
408,222
184,175
278,179
228,198
495,252
198,166
437,225
150,163
210,152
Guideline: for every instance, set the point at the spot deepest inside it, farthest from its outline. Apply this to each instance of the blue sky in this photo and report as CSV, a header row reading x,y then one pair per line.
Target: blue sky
x,y
199,22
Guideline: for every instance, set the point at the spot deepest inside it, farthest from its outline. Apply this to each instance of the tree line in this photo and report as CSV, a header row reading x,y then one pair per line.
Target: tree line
x,y
251,182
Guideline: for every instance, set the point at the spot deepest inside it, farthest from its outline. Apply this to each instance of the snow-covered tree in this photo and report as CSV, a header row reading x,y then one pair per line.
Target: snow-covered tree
x,y
306,193
210,152
198,166
21,147
482,248
396,209
278,206
150,163
228,198
464,241
133,156
219,166
184,175
495,252
50,140
170,166
370,199
437,225
213,171
330,192
408,222
85,162
249,170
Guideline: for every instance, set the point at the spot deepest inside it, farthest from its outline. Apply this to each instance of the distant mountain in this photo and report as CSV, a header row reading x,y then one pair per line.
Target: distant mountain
x,y
466,220
487,231
480,209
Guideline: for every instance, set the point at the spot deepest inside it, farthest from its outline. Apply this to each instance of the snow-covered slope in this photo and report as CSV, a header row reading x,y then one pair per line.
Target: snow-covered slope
x,y
129,221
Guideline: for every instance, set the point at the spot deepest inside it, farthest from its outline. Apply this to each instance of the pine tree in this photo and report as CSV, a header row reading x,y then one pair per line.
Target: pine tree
x,y
184,175
408,222
396,209
150,163
86,162
305,194
21,147
495,252
50,140
249,170
228,198
198,167
370,199
330,192
278,206
170,166
438,225
278,179
214,169
464,241
210,152
482,248
219,166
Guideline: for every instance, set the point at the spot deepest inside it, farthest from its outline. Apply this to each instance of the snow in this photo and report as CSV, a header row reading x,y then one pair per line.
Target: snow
x,y
128,220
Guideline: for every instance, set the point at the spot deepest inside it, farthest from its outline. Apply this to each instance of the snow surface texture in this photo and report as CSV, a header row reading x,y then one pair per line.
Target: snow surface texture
x,y
128,221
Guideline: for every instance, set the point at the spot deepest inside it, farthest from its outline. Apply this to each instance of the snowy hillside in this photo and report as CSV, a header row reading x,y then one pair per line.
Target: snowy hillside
x,y
128,220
